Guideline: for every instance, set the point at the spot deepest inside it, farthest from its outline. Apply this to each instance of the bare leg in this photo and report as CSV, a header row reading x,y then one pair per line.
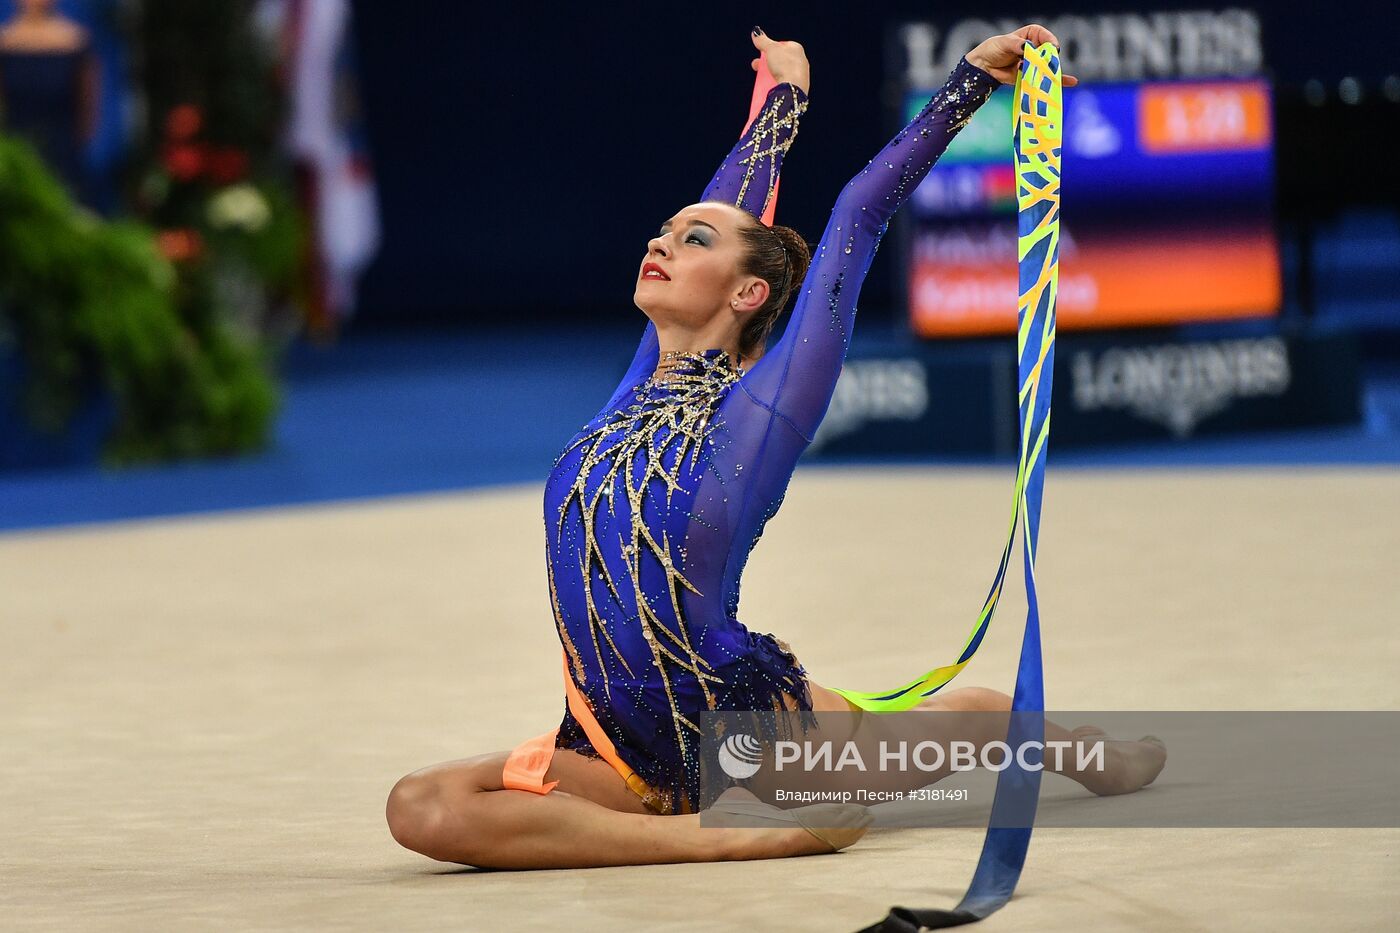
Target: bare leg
x,y
459,811
1127,765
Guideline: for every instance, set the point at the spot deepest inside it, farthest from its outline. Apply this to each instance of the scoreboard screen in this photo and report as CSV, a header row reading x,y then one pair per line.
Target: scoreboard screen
x,y
1167,211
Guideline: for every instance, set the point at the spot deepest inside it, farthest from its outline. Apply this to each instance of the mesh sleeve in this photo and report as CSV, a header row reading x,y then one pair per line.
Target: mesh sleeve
x,y
796,378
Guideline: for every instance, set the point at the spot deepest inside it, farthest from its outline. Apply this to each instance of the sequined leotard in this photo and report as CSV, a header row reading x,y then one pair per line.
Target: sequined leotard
x,y
653,507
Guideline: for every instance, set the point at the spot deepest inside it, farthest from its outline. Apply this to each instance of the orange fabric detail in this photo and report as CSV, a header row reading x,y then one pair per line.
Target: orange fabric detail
x,y
528,762
578,705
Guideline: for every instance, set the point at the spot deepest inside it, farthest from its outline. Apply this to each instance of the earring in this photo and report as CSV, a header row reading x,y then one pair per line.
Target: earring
x,y
734,304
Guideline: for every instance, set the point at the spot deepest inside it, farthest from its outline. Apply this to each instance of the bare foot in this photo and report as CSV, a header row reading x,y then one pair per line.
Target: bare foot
x,y
753,829
1128,766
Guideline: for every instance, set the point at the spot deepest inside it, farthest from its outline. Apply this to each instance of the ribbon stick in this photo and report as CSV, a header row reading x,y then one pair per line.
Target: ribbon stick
x,y
1036,141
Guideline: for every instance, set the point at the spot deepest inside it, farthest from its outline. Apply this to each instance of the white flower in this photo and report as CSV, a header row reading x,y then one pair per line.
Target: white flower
x,y
239,206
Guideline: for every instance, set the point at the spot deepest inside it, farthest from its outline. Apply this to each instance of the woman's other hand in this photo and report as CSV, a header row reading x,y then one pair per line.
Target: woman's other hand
x,y
1000,56
786,60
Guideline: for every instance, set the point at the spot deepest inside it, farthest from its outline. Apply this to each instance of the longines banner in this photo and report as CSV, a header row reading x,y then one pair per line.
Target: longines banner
x,y
1104,47
1116,389
960,399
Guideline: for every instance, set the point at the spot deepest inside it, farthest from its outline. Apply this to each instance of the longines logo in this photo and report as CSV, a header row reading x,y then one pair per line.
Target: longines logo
x,y
874,390
1178,385
1106,47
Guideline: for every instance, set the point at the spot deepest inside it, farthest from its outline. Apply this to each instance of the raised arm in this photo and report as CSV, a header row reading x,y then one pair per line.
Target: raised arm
x,y
747,175
797,376
796,379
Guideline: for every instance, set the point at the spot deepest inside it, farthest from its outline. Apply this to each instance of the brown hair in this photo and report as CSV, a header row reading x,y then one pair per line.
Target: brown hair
x,y
780,257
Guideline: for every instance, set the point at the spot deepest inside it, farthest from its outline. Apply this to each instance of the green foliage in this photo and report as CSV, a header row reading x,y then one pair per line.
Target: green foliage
x,y
178,311
88,298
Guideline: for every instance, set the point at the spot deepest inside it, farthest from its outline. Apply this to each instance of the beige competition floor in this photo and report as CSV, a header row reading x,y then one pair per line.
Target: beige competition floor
x,y
201,717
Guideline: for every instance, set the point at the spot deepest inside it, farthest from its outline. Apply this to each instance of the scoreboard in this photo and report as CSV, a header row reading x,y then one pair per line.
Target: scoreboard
x,y
1167,211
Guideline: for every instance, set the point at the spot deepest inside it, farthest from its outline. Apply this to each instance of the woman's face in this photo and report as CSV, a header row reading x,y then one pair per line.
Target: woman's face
x,y
690,273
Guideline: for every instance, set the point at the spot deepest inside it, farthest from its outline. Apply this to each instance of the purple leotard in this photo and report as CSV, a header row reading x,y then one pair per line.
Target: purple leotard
x,y
653,507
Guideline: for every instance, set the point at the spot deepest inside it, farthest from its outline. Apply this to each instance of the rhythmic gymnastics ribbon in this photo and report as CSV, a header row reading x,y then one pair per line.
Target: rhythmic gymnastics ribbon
x,y
1036,133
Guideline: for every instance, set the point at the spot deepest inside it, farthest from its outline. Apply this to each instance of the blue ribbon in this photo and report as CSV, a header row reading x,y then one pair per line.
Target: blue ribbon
x,y
1036,135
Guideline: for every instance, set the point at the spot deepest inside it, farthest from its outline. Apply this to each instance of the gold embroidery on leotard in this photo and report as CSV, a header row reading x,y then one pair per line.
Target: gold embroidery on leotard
x,y
766,140
580,672
685,408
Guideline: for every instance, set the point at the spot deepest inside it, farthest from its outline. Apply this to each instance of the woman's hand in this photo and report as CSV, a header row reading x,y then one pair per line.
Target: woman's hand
x,y
787,60
1000,56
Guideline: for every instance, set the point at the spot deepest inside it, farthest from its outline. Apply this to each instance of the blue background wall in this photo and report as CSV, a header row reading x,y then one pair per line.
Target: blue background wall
x,y
515,146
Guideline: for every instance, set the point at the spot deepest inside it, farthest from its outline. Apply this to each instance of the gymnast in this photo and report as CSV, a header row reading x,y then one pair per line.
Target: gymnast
x,y
652,508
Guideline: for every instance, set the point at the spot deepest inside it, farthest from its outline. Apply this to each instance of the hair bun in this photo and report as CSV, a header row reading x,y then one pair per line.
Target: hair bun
x,y
780,257
799,256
